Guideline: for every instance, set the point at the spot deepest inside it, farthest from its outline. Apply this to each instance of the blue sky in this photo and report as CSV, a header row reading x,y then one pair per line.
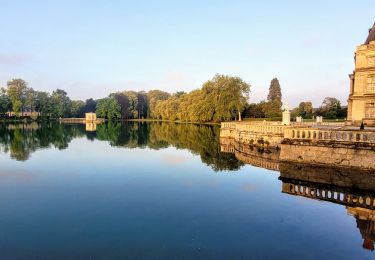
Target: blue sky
x,y
93,48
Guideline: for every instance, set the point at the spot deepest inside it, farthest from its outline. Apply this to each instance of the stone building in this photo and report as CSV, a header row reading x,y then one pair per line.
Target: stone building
x,y
90,117
361,102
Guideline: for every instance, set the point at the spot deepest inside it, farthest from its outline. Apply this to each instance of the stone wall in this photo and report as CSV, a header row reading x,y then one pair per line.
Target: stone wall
x,y
329,153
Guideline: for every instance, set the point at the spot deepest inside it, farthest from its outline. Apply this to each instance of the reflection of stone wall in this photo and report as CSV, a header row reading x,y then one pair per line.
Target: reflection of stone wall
x,y
259,160
251,155
337,177
353,189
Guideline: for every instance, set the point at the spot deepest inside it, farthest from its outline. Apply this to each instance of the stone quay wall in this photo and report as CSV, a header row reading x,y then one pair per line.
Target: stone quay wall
x,y
331,145
338,148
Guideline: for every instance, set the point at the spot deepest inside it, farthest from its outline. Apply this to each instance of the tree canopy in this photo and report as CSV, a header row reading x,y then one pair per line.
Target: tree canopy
x,y
221,98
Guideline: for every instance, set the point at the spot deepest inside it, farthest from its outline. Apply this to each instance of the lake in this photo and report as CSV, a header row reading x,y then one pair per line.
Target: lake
x,y
166,191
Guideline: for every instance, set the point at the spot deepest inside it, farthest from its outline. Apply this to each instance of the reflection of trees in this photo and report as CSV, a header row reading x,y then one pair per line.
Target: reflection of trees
x,y
23,139
203,140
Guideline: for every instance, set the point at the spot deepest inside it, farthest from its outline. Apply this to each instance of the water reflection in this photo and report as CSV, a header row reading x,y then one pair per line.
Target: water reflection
x,y
21,140
354,189
248,209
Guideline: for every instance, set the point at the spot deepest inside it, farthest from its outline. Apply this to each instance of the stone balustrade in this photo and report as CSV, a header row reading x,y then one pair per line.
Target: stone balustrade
x,y
318,124
338,135
257,127
261,128
328,194
228,125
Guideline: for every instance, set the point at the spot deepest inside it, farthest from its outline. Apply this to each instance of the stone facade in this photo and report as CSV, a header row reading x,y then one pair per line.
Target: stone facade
x,y
90,117
361,102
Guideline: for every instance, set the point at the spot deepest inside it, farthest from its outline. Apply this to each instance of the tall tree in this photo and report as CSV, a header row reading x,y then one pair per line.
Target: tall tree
x,y
30,99
43,103
142,105
17,90
133,103
108,108
273,106
78,108
274,94
154,96
90,106
61,103
124,103
305,109
4,102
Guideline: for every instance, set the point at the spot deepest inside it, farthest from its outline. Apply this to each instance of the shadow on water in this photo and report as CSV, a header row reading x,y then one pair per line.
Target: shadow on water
x,y
21,140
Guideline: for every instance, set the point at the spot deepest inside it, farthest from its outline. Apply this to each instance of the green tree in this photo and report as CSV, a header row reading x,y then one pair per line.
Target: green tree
x,y
255,110
224,96
61,103
274,94
30,99
133,103
90,105
273,106
108,108
78,108
142,104
43,103
124,103
4,102
17,92
305,109
330,108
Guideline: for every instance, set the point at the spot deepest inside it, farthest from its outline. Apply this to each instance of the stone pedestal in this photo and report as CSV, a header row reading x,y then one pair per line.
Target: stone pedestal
x,y
286,117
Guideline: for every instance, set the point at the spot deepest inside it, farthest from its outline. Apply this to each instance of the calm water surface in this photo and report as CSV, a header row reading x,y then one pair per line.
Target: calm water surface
x,y
158,191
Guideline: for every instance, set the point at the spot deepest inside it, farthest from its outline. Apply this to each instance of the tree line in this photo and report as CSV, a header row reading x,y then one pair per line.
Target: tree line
x,y
19,98
222,98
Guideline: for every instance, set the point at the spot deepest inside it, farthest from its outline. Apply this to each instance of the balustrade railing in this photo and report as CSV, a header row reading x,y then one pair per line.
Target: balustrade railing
x,y
268,127
330,135
318,124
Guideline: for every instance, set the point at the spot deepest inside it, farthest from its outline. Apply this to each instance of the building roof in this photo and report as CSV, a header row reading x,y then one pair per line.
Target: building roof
x,y
371,35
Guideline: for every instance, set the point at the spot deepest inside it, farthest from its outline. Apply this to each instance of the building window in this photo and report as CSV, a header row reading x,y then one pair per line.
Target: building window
x,y
370,110
371,84
371,61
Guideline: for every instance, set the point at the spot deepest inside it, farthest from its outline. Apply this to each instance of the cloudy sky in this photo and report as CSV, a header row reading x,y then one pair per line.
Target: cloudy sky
x,y
92,48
